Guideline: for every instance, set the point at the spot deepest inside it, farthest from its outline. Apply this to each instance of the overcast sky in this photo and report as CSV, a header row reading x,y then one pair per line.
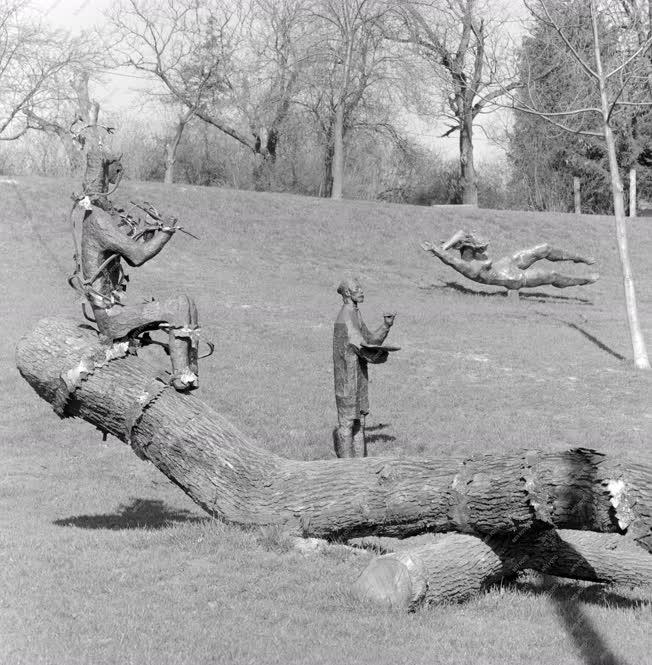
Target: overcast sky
x,y
71,14
122,91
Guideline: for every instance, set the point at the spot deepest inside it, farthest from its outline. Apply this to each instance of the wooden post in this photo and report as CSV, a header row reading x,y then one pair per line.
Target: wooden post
x,y
632,192
578,198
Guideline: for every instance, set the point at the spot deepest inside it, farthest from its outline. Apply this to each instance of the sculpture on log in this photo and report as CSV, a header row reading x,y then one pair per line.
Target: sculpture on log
x,y
104,237
512,272
354,347
231,478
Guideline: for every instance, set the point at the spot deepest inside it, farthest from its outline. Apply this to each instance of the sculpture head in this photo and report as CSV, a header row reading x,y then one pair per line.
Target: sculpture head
x,y
351,290
472,248
468,253
112,168
103,172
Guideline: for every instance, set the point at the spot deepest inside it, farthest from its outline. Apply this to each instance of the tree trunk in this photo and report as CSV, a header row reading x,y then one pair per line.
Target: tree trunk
x,y
468,176
326,186
231,478
632,192
338,152
577,195
453,569
172,146
171,155
641,360
458,566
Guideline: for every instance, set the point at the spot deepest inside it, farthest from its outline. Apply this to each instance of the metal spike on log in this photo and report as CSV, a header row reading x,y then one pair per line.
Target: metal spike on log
x,y
210,460
458,566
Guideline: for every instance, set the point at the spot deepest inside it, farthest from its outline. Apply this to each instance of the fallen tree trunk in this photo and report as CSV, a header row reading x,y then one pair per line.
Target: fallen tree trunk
x,y
210,460
457,566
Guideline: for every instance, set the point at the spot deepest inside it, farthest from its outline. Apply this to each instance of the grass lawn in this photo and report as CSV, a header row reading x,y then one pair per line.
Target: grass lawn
x,y
103,561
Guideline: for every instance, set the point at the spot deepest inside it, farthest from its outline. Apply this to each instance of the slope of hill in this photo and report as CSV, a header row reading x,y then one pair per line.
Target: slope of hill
x,y
477,372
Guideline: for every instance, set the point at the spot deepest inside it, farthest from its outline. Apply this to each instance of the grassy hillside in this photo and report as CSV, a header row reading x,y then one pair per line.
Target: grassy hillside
x,y
106,562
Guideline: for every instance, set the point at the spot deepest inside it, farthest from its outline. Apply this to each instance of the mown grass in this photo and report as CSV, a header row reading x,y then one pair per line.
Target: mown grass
x,y
104,561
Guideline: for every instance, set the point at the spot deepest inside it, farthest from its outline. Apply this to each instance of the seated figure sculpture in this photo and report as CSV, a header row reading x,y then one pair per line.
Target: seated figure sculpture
x,y
107,240
512,272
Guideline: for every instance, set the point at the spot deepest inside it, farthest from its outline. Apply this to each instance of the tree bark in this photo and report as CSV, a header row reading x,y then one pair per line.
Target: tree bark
x,y
641,360
458,566
338,153
326,186
468,175
210,460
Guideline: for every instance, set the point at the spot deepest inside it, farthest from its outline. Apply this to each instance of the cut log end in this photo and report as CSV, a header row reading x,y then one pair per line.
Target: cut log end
x,y
457,566
385,582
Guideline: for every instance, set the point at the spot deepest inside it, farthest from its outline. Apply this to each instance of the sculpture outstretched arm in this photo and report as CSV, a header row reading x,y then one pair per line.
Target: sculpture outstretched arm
x,y
466,268
358,337
135,252
378,335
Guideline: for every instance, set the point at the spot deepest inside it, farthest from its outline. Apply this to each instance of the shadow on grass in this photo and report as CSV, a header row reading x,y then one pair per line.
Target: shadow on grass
x,y
568,598
595,340
139,514
371,438
567,601
540,296
592,338
454,286
536,296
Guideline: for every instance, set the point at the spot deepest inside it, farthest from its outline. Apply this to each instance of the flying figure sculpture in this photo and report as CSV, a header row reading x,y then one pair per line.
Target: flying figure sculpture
x,y
512,272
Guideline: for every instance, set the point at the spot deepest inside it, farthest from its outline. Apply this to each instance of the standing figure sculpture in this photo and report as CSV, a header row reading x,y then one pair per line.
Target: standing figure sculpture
x,y
353,349
512,272
108,237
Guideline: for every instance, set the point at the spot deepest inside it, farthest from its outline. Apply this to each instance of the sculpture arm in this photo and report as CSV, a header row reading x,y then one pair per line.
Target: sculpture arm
x,y
134,252
464,267
377,336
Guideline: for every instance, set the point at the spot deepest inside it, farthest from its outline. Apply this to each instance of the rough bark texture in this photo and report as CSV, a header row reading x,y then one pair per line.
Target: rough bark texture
x,y
459,566
468,175
230,477
451,570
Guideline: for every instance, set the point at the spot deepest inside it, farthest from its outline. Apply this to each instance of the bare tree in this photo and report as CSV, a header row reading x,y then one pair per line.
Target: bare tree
x,y
71,110
266,73
231,64
461,40
348,64
33,61
603,38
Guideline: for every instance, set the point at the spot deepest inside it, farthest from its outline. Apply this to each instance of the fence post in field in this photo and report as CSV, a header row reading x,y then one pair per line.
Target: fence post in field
x,y
632,192
578,198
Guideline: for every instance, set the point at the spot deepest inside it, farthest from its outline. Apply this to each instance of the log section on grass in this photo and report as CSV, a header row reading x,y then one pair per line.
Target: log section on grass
x,y
210,460
457,566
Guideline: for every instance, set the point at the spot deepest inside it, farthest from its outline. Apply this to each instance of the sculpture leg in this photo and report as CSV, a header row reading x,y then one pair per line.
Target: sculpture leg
x,y
178,315
194,340
344,446
183,378
359,441
526,257
541,277
184,342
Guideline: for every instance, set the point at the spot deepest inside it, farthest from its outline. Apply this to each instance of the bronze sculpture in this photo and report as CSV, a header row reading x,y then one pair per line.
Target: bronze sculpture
x,y
109,235
354,346
512,272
